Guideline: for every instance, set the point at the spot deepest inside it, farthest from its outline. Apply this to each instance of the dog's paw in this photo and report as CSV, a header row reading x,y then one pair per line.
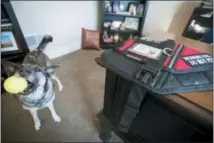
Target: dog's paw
x,y
37,126
57,119
60,88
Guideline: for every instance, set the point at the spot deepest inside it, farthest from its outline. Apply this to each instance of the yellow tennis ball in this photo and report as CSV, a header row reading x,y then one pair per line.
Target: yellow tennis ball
x,y
15,84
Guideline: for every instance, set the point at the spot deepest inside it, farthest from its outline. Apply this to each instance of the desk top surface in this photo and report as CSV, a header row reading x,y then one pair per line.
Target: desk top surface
x,y
198,102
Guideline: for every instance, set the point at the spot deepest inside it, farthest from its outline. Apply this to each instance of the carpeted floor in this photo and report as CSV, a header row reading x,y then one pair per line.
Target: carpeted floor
x,y
77,105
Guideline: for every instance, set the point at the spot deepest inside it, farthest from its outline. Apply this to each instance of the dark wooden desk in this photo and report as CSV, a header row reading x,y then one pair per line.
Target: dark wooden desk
x,y
196,104
199,103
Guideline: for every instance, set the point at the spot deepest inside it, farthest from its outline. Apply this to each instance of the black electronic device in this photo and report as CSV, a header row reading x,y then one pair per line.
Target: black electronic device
x,y
200,22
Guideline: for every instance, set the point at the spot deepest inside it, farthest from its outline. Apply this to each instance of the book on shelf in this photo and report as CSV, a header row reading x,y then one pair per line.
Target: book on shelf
x,y
5,20
123,14
6,24
6,27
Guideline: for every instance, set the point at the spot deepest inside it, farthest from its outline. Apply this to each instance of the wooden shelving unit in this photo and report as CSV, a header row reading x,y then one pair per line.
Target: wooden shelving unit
x,y
112,16
128,15
9,23
122,31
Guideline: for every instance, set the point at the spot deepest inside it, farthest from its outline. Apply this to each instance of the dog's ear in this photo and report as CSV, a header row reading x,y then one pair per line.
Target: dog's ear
x,y
9,67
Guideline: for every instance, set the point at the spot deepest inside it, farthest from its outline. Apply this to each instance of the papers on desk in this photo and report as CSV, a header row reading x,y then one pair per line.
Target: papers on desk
x,y
145,50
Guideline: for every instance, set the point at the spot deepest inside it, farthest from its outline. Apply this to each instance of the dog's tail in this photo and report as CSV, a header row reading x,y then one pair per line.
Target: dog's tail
x,y
45,40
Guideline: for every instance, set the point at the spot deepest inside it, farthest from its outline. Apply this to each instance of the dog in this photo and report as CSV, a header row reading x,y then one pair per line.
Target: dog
x,y
36,68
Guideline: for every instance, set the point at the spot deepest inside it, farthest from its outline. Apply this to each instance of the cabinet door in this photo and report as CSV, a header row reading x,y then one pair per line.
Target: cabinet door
x,y
155,123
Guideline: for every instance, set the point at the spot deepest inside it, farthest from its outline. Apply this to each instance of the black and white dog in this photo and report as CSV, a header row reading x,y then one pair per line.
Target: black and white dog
x,y
38,71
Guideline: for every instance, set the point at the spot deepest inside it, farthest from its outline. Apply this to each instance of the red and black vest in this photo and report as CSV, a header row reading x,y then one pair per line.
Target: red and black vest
x,y
184,69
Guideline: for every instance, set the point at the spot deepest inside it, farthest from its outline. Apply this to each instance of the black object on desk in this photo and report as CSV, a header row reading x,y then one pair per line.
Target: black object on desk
x,y
200,22
136,114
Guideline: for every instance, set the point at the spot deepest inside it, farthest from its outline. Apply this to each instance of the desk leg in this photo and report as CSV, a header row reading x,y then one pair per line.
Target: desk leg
x,y
105,128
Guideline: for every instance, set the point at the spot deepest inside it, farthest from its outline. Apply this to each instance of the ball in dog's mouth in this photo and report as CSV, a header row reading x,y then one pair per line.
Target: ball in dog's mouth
x,y
15,84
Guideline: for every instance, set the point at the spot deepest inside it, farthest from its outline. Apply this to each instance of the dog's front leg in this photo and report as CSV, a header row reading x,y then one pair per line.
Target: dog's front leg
x,y
53,113
58,82
36,120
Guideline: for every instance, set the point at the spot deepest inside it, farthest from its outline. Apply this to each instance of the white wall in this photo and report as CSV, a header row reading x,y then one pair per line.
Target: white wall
x,y
159,16
61,19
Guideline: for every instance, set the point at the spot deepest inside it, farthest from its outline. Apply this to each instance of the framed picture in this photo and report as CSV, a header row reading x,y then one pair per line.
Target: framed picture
x,y
107,4
8,42
131,23
116,6
116,24
107,24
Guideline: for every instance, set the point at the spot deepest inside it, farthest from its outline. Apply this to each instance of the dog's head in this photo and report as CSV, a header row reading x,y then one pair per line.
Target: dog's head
x,y
34,75
34,68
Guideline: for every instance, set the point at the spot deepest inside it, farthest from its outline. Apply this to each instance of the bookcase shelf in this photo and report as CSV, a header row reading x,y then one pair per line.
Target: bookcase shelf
x,y
110,16
9,23
121,31
109,46
118,14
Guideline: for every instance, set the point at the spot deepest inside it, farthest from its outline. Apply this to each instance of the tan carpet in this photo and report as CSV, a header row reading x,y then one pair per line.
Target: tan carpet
x,y
77,104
